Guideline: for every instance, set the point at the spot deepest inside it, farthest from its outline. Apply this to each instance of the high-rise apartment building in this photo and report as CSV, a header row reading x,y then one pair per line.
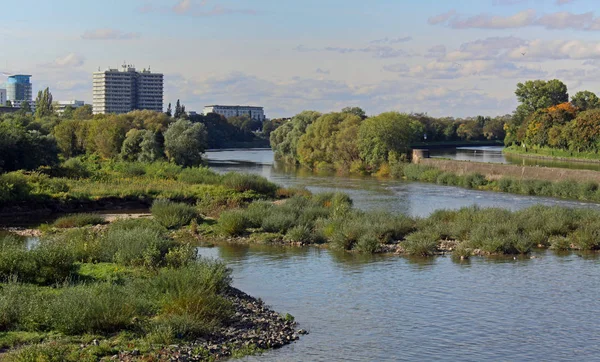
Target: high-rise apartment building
x,y
18,89
124,90
2,97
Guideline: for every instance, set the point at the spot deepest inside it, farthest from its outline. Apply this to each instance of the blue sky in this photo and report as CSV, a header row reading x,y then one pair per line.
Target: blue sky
x,y
447,58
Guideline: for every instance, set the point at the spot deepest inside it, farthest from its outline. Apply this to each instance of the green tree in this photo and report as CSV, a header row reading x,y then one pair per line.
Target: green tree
x,y
83,113
150,148
469,130
68,112
25,108
70,137
9,104
585,100
386,135
43,104
284,140
357,111
185,142
319,145
169,111
179,111
539,94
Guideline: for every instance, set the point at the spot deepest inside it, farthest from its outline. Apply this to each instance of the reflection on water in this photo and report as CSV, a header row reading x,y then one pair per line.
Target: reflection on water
x,y
493,154
370,193
388,308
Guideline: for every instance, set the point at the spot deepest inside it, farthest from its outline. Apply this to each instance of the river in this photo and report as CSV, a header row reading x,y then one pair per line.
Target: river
x,y
389,308
493,154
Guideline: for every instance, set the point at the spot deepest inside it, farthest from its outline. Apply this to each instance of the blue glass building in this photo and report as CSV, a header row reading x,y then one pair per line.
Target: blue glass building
x,y
18,89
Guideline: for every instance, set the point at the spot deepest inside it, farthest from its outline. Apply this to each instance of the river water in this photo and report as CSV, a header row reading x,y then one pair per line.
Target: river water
x,y
493,154
389,308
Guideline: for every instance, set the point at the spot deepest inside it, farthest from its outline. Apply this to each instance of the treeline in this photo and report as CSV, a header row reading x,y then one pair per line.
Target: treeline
x,y
351,141
30,140
546,119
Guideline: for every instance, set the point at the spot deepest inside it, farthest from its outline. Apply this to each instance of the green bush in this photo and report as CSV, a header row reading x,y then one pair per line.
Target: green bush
x,y
248,182
199,175
473,180
78,220
448,179
367,243
505,184
136,246
300,234
14,187
173,214
430,175
279,222
233,222
413,172
421,243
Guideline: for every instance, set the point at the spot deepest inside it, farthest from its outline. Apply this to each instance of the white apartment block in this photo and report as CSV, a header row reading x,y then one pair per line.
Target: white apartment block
x,y
256,113
2,97
59,106
124,90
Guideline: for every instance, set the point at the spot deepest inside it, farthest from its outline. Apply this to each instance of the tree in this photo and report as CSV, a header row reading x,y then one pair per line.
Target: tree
x,y
25,107
469,130
169,111
150,148
179,110
68,112
494,128
9,104
284,140
185,142
320,144
357,111
386,135
140,145
539,94
83,113
585,100
43,104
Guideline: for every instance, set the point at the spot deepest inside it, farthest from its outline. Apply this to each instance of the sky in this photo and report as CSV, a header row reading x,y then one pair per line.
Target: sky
x,y
446,58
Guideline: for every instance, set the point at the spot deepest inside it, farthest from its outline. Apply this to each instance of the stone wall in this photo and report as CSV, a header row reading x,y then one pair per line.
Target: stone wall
x,y
495,171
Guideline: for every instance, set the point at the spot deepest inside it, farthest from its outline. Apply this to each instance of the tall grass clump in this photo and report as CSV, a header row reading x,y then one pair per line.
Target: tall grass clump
x,y
46,264
421,243
413,172
233,222
78,220
173,214
199,175
135,247
248,182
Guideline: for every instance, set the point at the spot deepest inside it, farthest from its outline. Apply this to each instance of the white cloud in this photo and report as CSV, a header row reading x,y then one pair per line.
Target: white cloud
x,y
557,20
387,40
69,60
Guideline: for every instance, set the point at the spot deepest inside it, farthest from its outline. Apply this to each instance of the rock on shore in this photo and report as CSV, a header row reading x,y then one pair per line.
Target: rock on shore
x,y
255,325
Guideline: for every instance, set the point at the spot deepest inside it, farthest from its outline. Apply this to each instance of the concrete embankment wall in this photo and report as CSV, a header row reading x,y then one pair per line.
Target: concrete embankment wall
x,y
495,171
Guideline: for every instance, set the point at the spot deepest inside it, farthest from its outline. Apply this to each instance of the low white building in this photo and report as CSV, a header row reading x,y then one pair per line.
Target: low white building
x,y
59,106
256,113
2,97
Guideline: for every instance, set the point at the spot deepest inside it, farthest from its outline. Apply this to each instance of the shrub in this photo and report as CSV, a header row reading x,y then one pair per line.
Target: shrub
x,y
279,222
78,220
198,175
447,178
421,243
135,246
413,172
75,168
257,212
14,187
505,184
300,234
94,308
46,264
473,180
367,243
559,243
430,175
233,222
173,214
248,182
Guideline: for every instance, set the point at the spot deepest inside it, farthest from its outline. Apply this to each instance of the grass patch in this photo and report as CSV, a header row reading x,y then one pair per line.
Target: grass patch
x,y
173,214
78,220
